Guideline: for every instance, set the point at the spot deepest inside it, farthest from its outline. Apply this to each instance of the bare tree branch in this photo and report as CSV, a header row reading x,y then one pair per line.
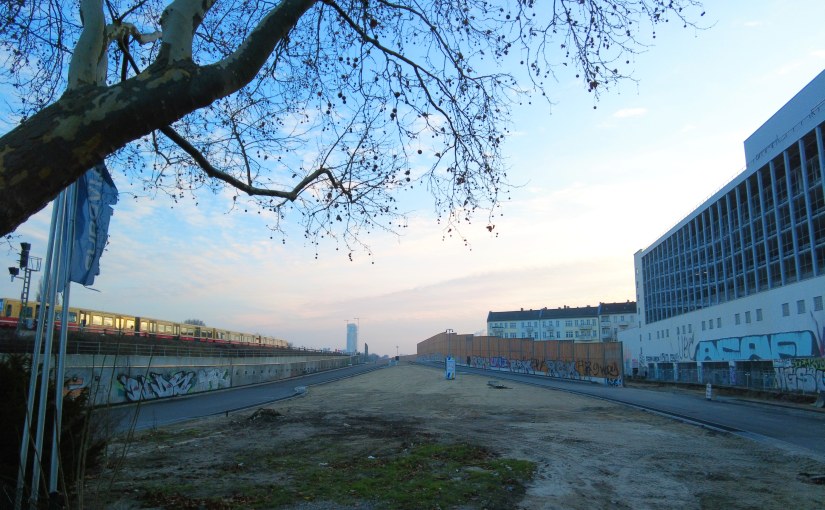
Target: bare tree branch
x,y
322,110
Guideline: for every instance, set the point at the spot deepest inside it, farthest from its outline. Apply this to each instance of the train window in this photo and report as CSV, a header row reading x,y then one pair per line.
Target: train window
x,y
72,316
130,324
108,321
8,310
97,320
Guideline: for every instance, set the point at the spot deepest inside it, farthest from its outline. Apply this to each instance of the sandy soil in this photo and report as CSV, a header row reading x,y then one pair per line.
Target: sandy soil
x,y
590,454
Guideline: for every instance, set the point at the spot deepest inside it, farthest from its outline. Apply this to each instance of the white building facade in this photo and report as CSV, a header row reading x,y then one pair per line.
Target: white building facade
x,y
736,288
579,324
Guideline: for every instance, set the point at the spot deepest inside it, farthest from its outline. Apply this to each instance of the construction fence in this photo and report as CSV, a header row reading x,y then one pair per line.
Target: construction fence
x,y
563,359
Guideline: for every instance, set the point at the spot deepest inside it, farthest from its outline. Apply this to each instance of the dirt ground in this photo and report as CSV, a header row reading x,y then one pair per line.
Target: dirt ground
x,y
589,453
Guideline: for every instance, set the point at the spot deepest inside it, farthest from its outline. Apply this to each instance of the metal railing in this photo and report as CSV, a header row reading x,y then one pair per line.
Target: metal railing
x,y
148,347
758,380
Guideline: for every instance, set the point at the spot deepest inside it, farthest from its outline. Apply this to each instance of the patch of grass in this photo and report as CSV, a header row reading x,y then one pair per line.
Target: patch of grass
x,y
429,475
168,434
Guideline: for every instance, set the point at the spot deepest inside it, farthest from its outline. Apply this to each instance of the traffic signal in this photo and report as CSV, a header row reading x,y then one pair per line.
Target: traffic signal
x,y
24,254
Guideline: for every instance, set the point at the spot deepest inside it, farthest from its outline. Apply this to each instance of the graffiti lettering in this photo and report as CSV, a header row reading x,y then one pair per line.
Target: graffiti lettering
x,y
686,345
560,369
156,385
73,386
815,363
800,378
479,362
776,346
214,379
498,362
662,358
522,366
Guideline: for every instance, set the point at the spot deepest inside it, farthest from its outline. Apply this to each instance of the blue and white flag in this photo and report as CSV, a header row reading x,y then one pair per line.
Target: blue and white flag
x,y
96,194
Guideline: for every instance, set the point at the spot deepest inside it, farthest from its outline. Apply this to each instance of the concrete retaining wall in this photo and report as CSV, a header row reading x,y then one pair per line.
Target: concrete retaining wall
x,y
114,380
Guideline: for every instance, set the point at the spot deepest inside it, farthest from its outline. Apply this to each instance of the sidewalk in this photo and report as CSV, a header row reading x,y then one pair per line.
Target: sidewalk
x,y
790,401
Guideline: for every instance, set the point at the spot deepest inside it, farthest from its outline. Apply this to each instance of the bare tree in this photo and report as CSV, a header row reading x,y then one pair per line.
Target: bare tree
x,y
322,108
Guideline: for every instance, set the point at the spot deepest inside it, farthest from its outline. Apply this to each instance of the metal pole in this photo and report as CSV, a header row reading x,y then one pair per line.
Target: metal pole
x,y
50,294
65,266
35,364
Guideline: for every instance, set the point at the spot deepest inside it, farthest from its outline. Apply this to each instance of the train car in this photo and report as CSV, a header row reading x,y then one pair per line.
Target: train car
x,y
10,312
95,321
103,323
199,333
156,328
268,341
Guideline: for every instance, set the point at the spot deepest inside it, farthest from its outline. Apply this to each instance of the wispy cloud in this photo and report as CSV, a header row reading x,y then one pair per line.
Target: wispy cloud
x,y
630,112
592,186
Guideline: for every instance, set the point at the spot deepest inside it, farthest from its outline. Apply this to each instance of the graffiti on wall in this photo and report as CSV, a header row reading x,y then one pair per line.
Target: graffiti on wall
x,y
806,375
560,369
664,357
156,385
213,379
765,347
686,345
74,385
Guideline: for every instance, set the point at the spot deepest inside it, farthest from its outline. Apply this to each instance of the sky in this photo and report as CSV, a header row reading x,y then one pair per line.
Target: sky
x,y
592,187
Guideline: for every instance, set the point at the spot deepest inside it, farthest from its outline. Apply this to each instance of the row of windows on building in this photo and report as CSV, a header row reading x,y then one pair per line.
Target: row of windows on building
x,y
801,308
569,323
766,232
550,335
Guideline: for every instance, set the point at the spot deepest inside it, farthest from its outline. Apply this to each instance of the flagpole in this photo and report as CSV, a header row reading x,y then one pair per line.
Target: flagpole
x,y
65,284
51,296
35,364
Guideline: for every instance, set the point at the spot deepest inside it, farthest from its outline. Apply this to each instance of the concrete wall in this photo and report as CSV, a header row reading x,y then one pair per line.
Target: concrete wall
x,y
586,361
115,380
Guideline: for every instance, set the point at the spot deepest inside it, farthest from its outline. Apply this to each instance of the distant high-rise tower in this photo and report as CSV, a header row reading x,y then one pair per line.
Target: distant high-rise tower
x,y
352,338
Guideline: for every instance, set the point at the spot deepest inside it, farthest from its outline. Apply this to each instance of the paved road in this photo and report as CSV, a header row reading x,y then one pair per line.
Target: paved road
x,y
157,413
798,430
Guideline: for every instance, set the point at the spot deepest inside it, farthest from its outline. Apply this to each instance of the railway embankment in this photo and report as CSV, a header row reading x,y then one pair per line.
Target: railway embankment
x,y
117,370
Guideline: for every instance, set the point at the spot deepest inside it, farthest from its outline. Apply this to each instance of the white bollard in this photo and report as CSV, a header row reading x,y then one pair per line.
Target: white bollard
x,y
708,392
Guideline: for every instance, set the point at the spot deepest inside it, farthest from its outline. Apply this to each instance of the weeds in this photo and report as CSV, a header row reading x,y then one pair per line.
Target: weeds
x,y
429,475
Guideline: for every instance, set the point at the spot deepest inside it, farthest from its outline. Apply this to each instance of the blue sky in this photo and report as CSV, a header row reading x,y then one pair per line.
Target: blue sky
x,y
593,187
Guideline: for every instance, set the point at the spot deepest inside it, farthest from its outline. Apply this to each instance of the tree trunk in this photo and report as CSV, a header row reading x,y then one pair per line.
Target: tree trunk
x,y
54,147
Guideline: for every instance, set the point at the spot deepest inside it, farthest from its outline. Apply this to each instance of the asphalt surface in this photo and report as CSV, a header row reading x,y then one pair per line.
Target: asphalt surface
x,y
797,429
156,413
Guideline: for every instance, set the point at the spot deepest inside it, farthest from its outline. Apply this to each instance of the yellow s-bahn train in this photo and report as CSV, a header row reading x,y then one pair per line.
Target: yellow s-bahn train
x,y
96,321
